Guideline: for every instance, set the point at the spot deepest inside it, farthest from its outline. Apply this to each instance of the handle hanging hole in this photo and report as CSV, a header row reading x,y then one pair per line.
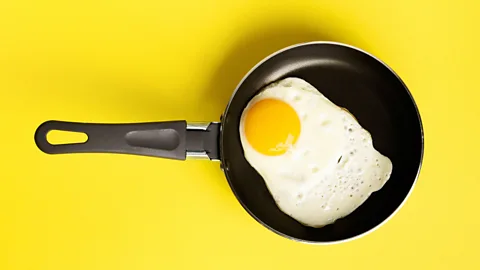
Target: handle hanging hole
x,y
59,137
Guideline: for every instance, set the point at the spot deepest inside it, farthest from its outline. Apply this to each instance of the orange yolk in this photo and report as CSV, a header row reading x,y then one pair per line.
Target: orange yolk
x,y
271,127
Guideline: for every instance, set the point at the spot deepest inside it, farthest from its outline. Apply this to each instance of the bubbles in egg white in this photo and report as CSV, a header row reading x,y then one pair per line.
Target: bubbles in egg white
x,y
331,169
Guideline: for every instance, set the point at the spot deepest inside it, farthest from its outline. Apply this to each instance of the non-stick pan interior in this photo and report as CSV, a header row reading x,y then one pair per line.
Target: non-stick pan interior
x,y
372,93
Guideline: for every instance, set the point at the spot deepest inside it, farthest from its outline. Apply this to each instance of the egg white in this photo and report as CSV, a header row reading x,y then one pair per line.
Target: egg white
x,y
330,170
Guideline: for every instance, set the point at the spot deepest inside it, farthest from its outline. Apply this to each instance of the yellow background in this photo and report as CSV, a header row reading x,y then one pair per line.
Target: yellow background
x,y
145,60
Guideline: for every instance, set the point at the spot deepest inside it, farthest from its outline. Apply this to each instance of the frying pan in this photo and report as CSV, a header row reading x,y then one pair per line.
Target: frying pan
x,y
348,76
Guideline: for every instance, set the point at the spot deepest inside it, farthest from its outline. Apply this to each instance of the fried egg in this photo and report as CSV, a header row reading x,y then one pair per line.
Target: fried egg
x,y
317,161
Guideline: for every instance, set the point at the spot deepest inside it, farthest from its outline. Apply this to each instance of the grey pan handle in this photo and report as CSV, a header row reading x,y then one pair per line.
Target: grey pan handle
x,y
173,140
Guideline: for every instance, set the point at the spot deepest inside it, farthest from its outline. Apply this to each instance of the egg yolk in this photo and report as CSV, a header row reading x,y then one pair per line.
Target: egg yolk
x,y
271,127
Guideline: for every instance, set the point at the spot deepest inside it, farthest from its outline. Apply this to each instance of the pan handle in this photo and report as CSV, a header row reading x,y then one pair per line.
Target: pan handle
x,y
172,140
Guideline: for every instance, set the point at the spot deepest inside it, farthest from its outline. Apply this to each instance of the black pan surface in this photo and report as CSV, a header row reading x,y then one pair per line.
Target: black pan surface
x,y
372,92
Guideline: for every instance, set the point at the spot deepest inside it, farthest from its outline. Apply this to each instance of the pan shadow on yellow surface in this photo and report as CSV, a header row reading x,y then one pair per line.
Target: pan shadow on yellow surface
x,y
249,49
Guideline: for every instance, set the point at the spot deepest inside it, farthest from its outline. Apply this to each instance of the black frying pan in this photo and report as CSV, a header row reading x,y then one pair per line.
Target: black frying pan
x,y
347,76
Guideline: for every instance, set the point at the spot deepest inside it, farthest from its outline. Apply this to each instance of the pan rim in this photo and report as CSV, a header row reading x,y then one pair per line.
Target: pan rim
x,y
223,118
